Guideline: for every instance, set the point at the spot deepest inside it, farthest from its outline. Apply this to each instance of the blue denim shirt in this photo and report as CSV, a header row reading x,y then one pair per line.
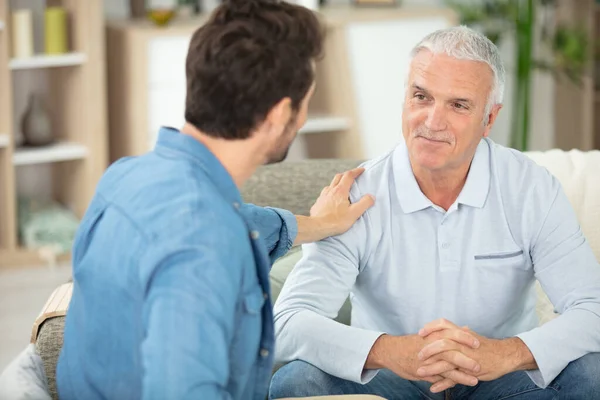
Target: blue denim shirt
x,y
171,296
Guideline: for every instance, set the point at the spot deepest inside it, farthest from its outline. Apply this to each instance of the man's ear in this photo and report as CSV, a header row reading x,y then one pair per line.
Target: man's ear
x,y
279,115
491,118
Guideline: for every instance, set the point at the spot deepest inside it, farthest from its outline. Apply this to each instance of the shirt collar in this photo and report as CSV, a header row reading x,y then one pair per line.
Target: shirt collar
x,y
171,140
412,199
477,186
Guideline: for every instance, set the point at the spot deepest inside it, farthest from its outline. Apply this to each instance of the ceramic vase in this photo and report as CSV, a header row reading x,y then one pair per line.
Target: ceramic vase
x,y
36,125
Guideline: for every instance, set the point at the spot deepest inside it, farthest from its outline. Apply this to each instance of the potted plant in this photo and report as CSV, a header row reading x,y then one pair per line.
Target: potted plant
x,y
568,46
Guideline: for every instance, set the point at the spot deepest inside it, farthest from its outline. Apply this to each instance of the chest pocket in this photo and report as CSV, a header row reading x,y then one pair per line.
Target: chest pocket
x,y
502,259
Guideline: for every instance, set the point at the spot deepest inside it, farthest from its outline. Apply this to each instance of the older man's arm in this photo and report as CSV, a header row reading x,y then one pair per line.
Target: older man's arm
x,y
313,295
570,275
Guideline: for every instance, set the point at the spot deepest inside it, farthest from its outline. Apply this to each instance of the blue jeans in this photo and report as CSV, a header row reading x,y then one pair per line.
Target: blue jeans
x,y
579,380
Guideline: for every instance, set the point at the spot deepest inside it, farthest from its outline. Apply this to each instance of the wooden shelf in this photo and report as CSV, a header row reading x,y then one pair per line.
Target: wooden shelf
x,y
323,123
22,257
4,140
46,61
76,81
62,151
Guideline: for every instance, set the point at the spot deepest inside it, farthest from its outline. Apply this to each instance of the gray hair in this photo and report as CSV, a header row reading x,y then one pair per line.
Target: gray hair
x,y
465,43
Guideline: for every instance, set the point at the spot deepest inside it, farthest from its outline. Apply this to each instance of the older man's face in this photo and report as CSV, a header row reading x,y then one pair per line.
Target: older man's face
x,y
444,110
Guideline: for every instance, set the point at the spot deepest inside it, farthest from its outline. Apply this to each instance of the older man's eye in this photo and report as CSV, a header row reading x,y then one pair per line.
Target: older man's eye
x,y
420,96
460,106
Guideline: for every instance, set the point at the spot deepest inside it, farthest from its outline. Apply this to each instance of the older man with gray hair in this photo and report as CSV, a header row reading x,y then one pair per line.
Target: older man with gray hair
x,y
461,230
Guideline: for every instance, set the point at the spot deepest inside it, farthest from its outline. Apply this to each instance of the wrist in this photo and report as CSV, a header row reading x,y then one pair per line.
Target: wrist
x,y
322,227
518,355
379,354
310,229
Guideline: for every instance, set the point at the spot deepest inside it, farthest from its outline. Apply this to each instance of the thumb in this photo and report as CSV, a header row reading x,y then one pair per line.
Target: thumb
x,y
363,205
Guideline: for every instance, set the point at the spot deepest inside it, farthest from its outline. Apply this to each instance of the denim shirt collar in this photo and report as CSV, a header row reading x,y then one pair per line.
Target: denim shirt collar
x,y
172,140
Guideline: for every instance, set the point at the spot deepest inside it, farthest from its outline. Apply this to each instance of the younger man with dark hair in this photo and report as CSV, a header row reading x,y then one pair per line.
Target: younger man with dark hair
x,y
171,294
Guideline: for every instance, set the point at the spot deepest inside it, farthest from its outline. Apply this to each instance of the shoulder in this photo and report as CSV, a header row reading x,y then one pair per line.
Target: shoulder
x,y
172,202
375,179
520,178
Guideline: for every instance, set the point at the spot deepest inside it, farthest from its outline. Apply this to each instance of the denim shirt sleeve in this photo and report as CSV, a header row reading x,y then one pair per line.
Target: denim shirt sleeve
x,y
277,227
188,324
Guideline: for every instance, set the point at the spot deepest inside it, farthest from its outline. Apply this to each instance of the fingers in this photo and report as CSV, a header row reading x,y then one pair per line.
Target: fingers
x,y
460,361
461,378
433,379
442,385
437,368
348,178
437,347
437,325
464,337
451,378
362,205
336,180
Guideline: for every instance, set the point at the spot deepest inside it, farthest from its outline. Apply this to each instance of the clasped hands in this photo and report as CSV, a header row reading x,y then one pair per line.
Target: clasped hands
x,y
446,355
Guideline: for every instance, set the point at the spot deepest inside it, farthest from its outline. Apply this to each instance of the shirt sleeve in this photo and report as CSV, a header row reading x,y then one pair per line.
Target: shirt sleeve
x,y
188,319
277,227
569,273
312,296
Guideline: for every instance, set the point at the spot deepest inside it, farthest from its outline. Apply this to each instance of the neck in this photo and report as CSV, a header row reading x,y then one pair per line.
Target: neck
x,y
442,187
240,158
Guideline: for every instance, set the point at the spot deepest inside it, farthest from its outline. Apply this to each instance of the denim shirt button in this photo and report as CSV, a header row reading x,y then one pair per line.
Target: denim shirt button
x,y
264,353
236,205
254,235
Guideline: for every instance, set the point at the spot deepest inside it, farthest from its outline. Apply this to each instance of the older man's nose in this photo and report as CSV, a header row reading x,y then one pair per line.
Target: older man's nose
x,y
436,120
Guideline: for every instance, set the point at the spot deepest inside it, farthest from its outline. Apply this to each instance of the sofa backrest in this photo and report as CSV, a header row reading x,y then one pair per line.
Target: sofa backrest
x,y
579,174
293,186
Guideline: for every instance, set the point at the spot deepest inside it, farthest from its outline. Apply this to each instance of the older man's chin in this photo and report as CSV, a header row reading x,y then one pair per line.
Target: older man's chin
x,y
431,160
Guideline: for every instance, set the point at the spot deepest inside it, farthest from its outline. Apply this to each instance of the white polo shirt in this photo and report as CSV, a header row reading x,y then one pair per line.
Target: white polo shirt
x,y
407,262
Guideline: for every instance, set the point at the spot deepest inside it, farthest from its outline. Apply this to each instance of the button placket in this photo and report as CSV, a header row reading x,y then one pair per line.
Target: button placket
x,y
446,255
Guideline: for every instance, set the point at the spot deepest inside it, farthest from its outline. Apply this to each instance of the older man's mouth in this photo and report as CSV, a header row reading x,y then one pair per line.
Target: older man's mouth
x,y
433,140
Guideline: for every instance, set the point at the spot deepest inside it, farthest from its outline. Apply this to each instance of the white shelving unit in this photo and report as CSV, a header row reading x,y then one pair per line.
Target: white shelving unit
x,y
323,123
4,140
44,61
62,151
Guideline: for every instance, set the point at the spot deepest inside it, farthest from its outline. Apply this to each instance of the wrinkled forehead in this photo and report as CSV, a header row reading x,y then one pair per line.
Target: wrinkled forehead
x,y
442,73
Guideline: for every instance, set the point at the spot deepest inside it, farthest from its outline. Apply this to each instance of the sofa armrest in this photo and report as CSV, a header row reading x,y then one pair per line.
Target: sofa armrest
x,y
56,306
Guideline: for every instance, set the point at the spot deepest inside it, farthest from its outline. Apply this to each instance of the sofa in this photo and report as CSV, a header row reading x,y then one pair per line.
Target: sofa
x,y
295,186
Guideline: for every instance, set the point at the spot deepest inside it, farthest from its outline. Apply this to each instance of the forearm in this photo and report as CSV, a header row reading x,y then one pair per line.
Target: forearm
x,y
311,229
562,340
335,348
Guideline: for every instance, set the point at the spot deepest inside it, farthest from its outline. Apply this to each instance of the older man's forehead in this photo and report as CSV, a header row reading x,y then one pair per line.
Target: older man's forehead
x,y
435,72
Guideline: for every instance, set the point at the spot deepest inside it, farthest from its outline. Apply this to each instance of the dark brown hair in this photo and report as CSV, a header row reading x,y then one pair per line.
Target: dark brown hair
x,y
250,55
